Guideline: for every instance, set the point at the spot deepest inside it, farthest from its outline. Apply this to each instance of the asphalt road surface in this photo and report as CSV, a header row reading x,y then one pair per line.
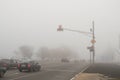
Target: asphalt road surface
x,y
49,71
110,70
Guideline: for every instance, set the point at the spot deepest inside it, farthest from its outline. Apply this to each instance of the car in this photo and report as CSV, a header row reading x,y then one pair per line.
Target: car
x,y
29,66
13,63
5,63
3,70
9,63
65,60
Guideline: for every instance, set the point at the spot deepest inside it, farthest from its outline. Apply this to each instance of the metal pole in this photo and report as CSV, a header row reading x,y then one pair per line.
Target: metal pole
x,y
93,43
90,57
119,41
93,38
83,32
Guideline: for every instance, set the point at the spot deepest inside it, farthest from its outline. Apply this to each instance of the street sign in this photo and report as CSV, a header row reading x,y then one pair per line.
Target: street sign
x,y
93,41
88,47
91,49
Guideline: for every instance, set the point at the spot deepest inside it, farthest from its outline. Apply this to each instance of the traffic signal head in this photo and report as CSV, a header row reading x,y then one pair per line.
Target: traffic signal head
x,y
60,28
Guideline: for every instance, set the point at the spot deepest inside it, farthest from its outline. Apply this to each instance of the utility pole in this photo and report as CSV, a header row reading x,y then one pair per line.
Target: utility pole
x,y
90,57
119,41
93,42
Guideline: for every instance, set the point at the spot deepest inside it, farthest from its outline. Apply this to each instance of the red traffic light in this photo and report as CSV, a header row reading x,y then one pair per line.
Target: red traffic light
x,y
60,28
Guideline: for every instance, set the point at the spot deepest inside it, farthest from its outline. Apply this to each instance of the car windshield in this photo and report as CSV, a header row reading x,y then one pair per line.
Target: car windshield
x,y
59,39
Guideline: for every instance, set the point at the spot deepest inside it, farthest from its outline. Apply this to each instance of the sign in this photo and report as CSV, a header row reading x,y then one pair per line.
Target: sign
x,y
91,49
88,47
93,41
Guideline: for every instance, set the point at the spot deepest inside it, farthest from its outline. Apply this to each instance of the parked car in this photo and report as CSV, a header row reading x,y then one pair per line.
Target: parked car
x,y
29,66
3,70
13,63
5,63
9,63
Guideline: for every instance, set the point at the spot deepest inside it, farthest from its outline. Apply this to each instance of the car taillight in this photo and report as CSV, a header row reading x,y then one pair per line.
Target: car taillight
x,y
29,65
18,65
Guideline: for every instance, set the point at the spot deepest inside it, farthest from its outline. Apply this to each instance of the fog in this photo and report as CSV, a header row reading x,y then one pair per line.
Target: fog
x,y
35,23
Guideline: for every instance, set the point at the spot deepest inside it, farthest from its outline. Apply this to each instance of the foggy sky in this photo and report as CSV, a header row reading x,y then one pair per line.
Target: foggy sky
x,y
35,22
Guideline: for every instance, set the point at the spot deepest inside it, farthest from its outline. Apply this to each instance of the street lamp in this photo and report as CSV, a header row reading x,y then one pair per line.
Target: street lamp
x,y
91,48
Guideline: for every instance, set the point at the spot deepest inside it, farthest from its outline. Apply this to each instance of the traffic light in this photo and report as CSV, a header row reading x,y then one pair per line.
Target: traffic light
x,y
60,28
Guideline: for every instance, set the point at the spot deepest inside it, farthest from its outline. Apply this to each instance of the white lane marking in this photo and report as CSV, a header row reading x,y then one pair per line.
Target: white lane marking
x,y
59,70
24,76
10,74
14,73
17,73
80,72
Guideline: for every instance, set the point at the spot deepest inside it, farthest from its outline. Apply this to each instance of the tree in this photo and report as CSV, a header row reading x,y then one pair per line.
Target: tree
x,y
56,53
25,51
43,53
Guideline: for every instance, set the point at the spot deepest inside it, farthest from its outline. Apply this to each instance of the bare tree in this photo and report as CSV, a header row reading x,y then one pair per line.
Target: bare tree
x,y
56,54
43,53
25,51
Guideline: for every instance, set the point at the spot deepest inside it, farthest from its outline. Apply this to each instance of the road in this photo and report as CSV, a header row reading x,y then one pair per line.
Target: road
x,y
110,70
53,71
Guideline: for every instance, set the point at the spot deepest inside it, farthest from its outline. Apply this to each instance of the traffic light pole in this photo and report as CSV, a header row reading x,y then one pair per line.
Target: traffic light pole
x,y
92,48
93,44
119,41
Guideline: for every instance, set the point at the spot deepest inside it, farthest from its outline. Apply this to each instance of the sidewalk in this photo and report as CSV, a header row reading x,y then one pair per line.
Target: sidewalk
x,y
90,76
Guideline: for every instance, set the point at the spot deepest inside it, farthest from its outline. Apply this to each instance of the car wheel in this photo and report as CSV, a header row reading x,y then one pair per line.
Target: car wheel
x,y
31,70
39,68
1,74
34,69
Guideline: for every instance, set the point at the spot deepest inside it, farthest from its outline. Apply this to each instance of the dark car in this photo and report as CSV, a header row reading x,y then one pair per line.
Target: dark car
x,y
29,66
13,63
5,63
65,60
3,70
9,63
